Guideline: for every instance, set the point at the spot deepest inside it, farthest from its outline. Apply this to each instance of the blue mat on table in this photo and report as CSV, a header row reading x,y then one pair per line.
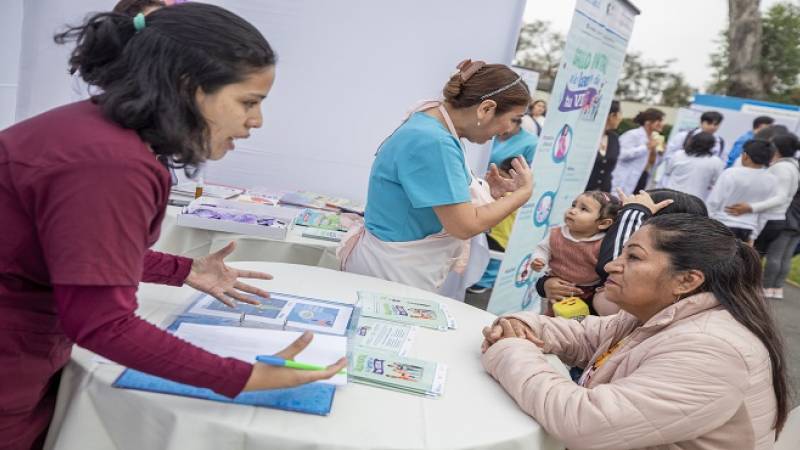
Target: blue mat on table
x,y
315,398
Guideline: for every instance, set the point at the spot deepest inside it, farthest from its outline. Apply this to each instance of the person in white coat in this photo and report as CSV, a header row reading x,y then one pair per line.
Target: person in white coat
x,y
637,151
775,241
709,123
694,170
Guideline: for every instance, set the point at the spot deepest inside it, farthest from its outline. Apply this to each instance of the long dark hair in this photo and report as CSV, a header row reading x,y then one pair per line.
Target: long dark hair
x,y
149,78
700,144
732,273
648,115
681,202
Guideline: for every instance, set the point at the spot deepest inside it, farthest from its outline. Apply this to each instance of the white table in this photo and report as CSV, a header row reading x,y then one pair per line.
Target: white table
x,y
295,249
473,413
194,242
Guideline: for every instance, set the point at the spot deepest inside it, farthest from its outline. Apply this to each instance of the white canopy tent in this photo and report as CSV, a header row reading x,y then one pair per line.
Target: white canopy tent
x,y
347,72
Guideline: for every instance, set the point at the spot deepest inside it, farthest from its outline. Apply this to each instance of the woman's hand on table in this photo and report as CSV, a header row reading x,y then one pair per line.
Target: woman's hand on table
x,y
644,199
211,275
265,376
521,178
508,328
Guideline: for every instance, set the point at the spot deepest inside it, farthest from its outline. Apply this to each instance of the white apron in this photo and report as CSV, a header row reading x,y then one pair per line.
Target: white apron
x,y
423,263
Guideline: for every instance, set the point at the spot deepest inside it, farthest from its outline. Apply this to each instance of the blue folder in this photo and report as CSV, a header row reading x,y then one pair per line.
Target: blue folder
x,y
314,398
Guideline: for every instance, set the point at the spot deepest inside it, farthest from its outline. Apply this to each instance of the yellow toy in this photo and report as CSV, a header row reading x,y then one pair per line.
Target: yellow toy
x,y
571,308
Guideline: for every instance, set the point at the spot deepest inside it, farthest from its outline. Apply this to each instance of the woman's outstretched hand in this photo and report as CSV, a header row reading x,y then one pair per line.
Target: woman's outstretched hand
x,y
211,275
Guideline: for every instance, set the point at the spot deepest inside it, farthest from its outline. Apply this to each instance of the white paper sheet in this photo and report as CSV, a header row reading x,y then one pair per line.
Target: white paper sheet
x,y
247,343
383,335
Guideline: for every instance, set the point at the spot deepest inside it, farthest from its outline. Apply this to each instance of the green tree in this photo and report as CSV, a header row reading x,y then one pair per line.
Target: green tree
x,y
779,58
540,49
780,53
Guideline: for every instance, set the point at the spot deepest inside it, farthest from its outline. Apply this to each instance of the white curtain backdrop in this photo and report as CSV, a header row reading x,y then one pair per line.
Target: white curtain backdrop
x,y
10,45
347,72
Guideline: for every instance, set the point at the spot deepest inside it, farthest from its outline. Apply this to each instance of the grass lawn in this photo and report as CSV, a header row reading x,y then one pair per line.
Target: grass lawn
x,y
794,274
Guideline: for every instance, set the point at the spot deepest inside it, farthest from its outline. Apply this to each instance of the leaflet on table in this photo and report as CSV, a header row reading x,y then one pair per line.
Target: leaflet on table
x,y
188,188
321,201
306,199
321,220
380,369
281,311
414,311
261,195
384,336
325,235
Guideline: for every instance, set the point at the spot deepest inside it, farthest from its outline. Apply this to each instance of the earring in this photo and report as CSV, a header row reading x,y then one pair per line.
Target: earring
x,y
479,123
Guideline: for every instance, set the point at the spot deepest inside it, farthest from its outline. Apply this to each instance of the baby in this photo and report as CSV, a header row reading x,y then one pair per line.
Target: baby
x,y
570,250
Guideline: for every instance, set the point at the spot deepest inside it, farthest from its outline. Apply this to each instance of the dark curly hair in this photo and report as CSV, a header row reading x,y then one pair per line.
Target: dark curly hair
x,y
149,78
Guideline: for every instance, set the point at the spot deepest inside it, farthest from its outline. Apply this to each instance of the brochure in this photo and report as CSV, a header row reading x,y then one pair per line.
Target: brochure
x,y
320,220
281,311
413,311
408,375
188,189
324,235
384,336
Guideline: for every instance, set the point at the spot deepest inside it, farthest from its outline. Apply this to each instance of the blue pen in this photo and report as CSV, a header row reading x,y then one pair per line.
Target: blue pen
x,y
280,362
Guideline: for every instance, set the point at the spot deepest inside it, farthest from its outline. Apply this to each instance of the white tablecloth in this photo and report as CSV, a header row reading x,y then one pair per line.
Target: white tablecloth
x,y
473,413
194,242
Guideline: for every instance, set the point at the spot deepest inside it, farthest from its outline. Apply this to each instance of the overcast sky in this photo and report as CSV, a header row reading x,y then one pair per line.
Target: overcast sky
x,y
681,29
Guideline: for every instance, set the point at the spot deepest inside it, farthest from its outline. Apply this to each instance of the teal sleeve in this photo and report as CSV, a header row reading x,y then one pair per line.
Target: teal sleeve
x,y
432,173
530,150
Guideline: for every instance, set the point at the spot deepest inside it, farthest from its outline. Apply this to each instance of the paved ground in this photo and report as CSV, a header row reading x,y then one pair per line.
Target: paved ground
x,y
787,312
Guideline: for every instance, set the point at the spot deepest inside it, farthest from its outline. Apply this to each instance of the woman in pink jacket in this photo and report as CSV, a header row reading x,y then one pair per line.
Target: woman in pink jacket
x,y
692,361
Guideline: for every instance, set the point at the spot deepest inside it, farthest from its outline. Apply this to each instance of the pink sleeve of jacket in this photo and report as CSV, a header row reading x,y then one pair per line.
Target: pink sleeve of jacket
x,y
679,390
572,341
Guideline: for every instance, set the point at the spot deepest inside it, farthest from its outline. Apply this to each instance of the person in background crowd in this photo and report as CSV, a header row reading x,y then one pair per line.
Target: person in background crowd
x,y
759,123
607,154
709,123
516,142
637,151
774,240
748,183
83,193
497,238
533,122
694,358
693,170
423,203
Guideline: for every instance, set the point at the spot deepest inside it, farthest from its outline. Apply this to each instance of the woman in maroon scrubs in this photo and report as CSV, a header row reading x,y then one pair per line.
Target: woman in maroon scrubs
x,y
82,194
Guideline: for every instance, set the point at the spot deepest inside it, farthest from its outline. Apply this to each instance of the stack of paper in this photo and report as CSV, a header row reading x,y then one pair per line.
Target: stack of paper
x,y
322,201
247,343
388,371
188,188
321,220
281,311
413,311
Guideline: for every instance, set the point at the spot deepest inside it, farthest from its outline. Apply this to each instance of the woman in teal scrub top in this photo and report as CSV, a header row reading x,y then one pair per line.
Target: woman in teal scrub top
x,y
423,202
